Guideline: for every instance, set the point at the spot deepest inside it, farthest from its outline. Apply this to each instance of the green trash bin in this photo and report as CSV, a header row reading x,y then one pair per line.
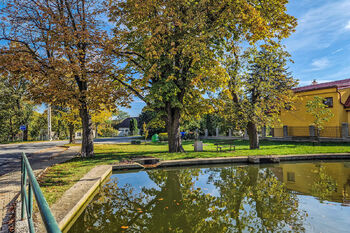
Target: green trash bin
x,y
155,138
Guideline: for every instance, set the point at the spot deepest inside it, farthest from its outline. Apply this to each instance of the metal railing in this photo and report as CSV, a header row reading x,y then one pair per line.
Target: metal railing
x,y
27,199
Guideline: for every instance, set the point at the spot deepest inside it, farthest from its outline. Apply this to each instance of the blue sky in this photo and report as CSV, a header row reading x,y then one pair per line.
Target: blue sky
x,y
321,44
320,47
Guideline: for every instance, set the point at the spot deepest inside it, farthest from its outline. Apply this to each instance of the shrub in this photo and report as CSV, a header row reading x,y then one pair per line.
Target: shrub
x,y
136,142
163,137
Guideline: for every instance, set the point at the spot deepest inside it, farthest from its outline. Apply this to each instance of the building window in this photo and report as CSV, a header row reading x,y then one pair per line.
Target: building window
x,y
328,101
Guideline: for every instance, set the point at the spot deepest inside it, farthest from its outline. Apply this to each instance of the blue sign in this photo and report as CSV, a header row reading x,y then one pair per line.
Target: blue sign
x,y
23,127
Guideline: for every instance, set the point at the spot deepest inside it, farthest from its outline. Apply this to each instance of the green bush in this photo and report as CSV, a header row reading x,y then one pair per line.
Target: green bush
x,y
163,137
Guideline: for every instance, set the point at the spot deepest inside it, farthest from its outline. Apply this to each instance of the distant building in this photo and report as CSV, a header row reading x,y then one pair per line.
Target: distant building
x,y
337,96
79,134
124,126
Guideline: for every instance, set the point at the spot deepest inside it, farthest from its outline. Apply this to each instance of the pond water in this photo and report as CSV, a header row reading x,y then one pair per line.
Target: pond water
x,y
288,197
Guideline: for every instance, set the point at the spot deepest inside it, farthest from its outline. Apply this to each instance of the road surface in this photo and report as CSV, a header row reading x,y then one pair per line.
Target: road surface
x,y
10,154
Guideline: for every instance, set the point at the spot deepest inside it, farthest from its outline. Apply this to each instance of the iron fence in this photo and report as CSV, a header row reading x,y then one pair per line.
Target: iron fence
x,y
298,131
304,131
331,132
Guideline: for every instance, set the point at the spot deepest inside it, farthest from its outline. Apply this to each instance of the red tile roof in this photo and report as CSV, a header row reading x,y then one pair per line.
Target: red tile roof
x,y
338,84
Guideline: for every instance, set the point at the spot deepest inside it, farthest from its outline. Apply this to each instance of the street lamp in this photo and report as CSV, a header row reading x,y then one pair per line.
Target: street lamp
x,y
49,122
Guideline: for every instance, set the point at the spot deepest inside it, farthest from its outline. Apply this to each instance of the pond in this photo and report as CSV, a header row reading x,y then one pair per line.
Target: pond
x,y
288,197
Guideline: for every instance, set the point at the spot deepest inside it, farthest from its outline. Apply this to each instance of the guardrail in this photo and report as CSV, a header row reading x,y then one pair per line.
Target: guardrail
x,y
27,199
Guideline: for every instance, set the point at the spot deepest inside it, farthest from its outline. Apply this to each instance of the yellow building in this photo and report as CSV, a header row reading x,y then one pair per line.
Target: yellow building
x,y
297,122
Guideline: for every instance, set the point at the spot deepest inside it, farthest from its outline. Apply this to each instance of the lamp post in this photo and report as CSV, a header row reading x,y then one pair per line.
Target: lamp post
x,y
49,122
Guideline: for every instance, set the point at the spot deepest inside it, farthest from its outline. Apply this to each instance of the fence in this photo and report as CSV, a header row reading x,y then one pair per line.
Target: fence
x,y
304,131
298,131
278,132
27,199
331,132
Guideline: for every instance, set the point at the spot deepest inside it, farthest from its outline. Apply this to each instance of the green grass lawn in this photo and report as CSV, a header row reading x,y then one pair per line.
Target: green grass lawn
x,y
61,177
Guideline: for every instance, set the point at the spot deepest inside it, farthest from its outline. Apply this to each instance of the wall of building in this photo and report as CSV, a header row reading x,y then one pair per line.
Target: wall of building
x,y
298,120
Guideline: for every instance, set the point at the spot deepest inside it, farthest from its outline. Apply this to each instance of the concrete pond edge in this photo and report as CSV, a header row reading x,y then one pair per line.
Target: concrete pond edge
x,y
73,201
231,160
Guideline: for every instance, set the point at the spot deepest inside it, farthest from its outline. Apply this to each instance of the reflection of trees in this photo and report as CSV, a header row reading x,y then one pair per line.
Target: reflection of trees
x,y
324,185
250,200
253,199
174,206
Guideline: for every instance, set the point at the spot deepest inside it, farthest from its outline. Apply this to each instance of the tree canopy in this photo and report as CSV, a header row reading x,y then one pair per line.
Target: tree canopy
x,y
58,46
259,88
172,49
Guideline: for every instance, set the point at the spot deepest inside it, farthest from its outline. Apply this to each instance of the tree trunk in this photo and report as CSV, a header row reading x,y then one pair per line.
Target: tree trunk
x,y
25,134
173,128
96,133
318,135
253,135
11,130
87,145
71,133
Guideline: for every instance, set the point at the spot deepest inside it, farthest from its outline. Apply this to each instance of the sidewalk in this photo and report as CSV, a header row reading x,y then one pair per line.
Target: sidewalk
x,y
10,183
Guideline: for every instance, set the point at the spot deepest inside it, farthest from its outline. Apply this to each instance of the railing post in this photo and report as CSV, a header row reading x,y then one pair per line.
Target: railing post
x,y
23,186
30,200
285,131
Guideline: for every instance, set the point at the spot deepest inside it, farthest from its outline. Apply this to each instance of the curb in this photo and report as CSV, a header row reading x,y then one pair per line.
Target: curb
x,y
68,207
232,160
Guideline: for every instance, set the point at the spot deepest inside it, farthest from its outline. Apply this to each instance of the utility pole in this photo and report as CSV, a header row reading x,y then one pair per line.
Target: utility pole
x,y
49,122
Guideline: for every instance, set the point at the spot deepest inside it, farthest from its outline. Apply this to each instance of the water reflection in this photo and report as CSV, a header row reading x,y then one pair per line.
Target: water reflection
x,y
222,199
326,181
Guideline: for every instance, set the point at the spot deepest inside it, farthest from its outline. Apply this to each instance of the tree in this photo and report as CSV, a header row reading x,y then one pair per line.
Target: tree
x,y
58,47
103,116
171,49
15,108
145,131
155,125
38,126
119,116
133,126
259,89
320,113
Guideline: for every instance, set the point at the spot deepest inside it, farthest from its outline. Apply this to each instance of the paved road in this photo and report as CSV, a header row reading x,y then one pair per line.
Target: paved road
x,y
10,154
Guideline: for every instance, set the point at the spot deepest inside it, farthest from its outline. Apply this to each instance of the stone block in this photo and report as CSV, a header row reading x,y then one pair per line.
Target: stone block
x,y
198,146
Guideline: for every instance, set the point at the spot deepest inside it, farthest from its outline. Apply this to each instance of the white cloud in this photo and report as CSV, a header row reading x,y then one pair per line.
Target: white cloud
x,y
348,25
320,64
320,26
338,51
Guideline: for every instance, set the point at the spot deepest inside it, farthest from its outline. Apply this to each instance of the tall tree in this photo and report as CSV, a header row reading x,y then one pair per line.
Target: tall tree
x,y
259,90
173,48
57,46
133,126
15,108
320,112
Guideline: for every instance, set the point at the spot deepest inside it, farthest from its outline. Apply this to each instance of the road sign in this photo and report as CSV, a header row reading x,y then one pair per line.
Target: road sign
x,y
23,127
